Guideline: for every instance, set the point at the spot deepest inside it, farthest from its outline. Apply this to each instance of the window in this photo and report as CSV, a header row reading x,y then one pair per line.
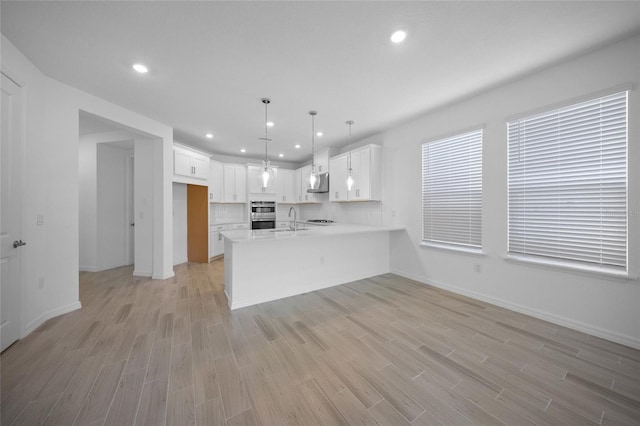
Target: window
x,y
452,191
568,184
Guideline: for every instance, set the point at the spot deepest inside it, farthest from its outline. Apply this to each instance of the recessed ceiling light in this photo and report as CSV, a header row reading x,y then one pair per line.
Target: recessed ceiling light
x,y
270,123
319,134
398,36
243,150
209,135
297,146
140,68
280,155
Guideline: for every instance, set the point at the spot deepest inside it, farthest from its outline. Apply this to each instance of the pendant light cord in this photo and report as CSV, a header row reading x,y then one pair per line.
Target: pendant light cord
x,y
266,102
313,133
350,122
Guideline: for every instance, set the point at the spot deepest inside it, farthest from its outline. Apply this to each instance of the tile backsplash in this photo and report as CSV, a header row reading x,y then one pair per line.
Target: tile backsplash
x,y
225,213
363,213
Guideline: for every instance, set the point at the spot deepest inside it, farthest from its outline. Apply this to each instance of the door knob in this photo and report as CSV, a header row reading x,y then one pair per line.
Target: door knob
x,y
19,243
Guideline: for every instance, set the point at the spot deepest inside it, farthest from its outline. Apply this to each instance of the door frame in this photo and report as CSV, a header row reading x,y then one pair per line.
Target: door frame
x,y
22,146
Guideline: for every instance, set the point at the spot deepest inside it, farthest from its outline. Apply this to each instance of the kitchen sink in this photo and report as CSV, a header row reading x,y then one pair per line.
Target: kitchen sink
x,y
288,230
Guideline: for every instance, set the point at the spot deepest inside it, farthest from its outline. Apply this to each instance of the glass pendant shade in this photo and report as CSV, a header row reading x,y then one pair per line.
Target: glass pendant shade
x,y
314,181
350,180
266,175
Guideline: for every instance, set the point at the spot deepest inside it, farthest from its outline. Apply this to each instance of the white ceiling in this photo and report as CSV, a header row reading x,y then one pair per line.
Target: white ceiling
x,y
211,62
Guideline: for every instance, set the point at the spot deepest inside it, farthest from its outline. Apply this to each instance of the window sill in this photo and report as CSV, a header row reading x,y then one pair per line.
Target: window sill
x,y
456,249
570,267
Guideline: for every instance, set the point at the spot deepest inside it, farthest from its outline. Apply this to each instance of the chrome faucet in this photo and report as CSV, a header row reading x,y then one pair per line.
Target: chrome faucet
x,y
295,217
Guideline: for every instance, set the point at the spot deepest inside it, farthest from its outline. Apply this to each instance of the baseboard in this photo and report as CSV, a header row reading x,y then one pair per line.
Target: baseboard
x,y
50,314
546,316
180,261
228,298
102,268
163,276
88,269
141,274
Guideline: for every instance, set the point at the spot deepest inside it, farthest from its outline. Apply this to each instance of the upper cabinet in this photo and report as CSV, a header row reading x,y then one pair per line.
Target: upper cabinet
x,y
189,165
366,165
235,183
322,159
338,178
254,172
286,186
216,182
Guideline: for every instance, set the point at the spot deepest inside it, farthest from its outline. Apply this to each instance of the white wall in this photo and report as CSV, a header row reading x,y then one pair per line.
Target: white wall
x,y
51,179
179,223
602,306
88,201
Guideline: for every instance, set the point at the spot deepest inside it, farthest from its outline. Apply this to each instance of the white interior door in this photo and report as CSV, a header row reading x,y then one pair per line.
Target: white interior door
x,y
130,212
10,209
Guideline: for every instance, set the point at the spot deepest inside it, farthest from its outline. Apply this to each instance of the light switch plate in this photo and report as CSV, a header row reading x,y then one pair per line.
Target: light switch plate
x,y
40,219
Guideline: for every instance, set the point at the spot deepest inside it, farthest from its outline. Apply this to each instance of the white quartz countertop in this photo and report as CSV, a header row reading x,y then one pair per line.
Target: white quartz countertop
x,y
309,231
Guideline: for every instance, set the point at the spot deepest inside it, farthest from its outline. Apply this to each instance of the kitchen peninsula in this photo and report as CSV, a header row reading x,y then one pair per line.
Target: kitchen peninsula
x,y
264,265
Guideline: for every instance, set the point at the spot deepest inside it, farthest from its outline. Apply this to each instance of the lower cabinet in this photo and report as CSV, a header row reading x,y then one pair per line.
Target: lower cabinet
x,y
216,240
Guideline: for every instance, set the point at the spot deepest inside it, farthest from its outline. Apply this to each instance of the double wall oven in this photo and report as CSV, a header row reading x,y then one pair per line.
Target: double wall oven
x,y
263,214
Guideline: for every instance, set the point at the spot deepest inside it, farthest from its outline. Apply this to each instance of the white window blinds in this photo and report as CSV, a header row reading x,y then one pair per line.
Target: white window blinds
x,y
452,191
568,183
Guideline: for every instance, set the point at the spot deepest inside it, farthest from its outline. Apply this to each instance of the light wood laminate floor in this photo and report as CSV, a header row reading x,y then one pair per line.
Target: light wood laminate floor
x,y
385,350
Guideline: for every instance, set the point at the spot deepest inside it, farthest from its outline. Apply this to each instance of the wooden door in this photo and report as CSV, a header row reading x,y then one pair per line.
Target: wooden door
x,y
10,212
197,224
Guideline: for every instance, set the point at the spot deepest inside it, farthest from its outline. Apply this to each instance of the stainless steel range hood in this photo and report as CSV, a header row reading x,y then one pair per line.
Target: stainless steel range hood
x,y
324,183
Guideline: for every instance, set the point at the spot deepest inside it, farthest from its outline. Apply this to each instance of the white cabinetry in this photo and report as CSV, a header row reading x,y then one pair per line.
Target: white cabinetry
x,y
366,171
216,241
338,178
285,187
322,159
189,164
255,184
216,183
235,183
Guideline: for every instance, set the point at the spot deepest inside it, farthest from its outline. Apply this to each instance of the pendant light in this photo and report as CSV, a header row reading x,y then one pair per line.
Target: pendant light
x,y
349,163
266,175
314,181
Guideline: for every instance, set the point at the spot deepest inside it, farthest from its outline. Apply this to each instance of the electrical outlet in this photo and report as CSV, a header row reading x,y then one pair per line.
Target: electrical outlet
x,y
322,260
477,267
40,219
41,282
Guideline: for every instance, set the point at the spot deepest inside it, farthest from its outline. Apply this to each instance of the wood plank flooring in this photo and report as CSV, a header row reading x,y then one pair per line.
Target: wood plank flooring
x,y
385,350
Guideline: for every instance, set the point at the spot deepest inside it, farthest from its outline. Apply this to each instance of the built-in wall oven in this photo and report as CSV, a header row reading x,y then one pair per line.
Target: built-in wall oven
x,y
263,214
